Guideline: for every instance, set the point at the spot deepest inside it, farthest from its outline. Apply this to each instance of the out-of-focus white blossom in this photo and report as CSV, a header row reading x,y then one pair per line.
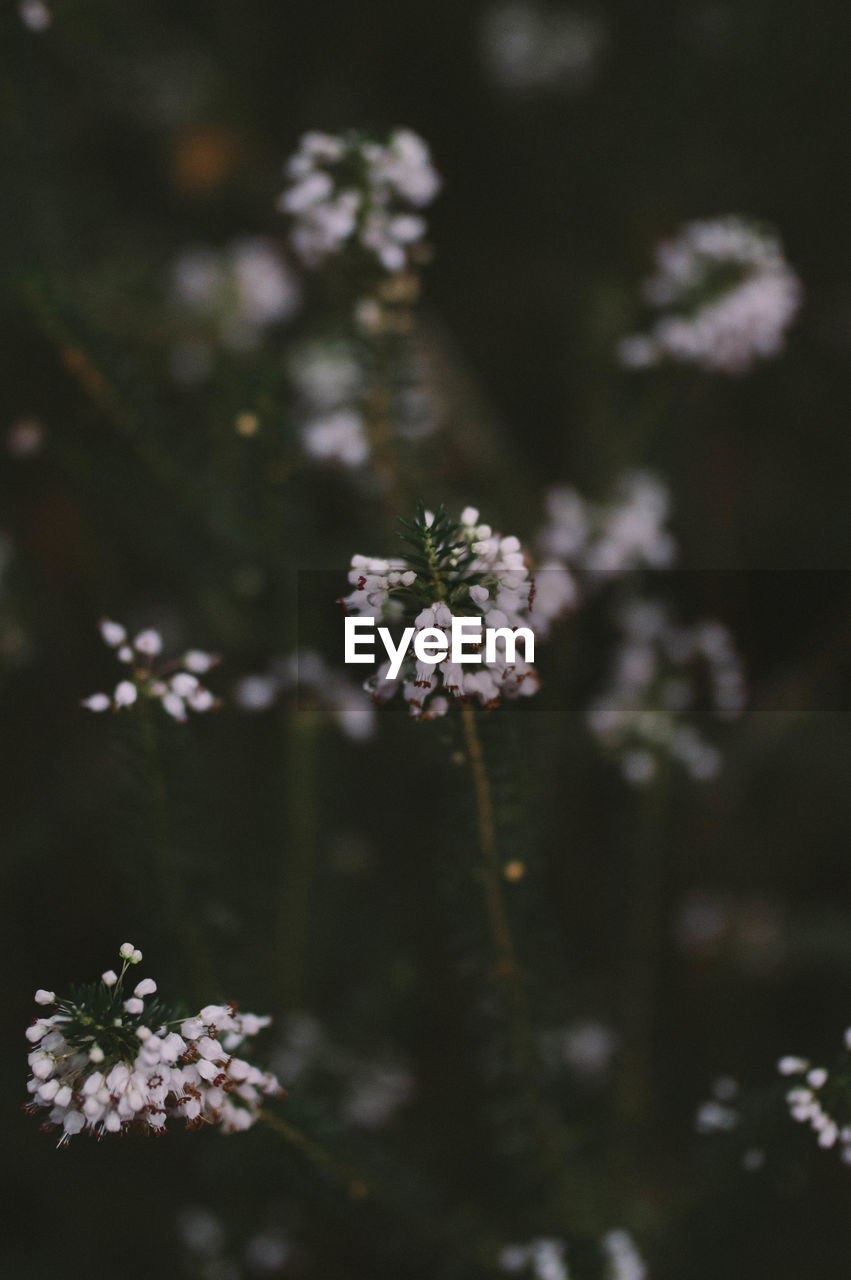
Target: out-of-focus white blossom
x,y
644,712
351,192
35,15
316,684
25,438
231,295
104,1064
339,437
528,47
174,684
623,1261
369,1090
542,1258
724,295
586,1047
624,533
821,1098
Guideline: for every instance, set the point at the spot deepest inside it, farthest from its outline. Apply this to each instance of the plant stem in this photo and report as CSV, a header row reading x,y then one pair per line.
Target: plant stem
x,y
507,968
181,923
644,938
356,1187
299,868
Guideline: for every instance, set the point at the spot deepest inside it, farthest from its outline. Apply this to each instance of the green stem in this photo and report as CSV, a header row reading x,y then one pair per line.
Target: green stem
x,y
181,923
299,868
507,968
355,1186
644,938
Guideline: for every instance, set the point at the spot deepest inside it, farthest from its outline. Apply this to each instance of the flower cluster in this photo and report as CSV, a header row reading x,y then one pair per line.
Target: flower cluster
x,y
528,47
543,1258
613,537
643,714
351,191
231,295
211,1251
725,297
329,381
368,1090
451,569
106,1062
821,1098
546,1258
175,685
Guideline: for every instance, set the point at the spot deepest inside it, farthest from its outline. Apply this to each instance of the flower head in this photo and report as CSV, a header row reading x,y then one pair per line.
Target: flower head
x,y
454,569
725,297
351,192
105,1064
177,690
646,712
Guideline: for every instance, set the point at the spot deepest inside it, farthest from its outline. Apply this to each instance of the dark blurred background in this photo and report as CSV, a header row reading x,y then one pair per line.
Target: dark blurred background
x,y
132,131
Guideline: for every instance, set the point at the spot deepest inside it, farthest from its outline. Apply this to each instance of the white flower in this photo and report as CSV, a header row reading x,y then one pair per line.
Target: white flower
x,y
624,533
339,437
489,580
44,997
84,1076
529,47
235,293
175,693
149,642
35,14
624,1262
706,319
643,714
113,633
125,694
146,987
345,191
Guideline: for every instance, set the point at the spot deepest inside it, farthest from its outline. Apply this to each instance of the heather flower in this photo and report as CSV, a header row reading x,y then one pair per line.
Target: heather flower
x,y
645,712
105,1063
454,570
628,531
229,296
542,1258
623,1261
317,686
174,684
724,295
821,1098
350,192
528,47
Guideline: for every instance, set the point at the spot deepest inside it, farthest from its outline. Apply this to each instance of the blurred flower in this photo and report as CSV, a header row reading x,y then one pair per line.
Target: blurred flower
x,y
352,192
104,1063
234,293
623,1261
35,15
587,1047
369,1090
174,684
527,47
25,438
643,714
543,1258
316,685
726,297
627,532
821,1098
